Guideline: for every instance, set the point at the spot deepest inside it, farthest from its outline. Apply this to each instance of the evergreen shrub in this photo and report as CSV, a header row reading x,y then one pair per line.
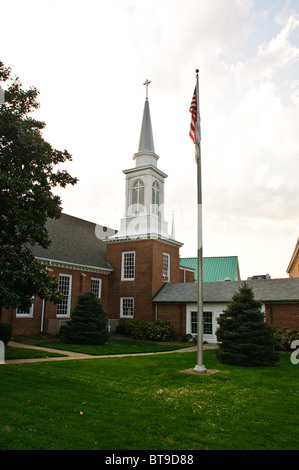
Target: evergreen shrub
x,y
244,337
88,324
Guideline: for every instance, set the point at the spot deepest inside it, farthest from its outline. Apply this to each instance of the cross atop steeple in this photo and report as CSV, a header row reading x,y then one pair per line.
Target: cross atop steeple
x,y
146,83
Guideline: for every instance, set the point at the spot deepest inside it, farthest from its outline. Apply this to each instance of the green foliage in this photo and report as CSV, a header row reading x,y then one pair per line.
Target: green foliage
x,y
88,324
136,329
27,177
284,338
146,402
5,332
156,331
244,337
161,331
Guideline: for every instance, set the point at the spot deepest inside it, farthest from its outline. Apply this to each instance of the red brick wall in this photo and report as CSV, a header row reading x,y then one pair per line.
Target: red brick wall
x,y
148,275
80,284
283,315
175,313
186,275
294,272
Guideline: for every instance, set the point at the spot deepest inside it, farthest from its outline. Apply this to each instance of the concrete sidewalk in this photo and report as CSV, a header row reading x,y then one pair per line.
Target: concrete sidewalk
x,y
69,355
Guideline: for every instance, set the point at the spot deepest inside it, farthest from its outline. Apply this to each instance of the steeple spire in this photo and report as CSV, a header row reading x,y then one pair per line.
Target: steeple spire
x,y
146,142
144,202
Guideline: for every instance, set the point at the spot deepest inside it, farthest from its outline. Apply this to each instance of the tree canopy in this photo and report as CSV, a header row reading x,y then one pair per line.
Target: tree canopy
x,y
27,177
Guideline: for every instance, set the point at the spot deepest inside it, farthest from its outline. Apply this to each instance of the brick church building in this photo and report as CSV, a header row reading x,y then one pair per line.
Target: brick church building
x,y
136,270
125,268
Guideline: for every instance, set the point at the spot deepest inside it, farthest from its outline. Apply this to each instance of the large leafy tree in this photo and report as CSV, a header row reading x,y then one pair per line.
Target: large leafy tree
x,y
27,176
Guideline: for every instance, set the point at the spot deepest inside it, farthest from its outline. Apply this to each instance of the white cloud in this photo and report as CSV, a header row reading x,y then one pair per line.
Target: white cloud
x,y
89,61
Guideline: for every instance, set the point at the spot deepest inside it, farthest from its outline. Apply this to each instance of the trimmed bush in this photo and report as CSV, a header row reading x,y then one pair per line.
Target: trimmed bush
x,y
88,324
156,331
161,331
5,332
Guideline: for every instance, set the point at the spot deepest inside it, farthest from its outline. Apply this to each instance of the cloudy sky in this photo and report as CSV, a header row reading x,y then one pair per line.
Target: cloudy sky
x,y
90,58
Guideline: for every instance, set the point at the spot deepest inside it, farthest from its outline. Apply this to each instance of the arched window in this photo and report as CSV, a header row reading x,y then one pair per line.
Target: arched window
x,y
155,197
138,194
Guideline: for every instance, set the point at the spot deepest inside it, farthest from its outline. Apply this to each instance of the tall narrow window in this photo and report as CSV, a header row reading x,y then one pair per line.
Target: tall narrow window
x,y
194,323
155,197
128,266
166,267
65,287
127,307
207,323
95,286
138,195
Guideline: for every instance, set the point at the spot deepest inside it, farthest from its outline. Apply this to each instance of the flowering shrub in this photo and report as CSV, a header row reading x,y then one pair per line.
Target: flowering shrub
x,y
137,329
284,337
161,331
156,331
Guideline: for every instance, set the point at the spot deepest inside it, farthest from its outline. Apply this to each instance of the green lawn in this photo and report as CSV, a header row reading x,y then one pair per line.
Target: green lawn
x,y
147,403
115,345
22,353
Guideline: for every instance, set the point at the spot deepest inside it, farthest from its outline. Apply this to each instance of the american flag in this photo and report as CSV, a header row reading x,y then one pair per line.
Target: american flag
x,y
193,111
194,131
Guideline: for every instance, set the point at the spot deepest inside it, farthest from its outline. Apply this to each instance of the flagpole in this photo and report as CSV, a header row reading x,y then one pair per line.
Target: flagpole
x,y
199,366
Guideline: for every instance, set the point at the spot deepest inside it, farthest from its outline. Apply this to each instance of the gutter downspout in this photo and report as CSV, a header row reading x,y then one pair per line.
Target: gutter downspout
x,y
44,304
271,313
43,316
181,320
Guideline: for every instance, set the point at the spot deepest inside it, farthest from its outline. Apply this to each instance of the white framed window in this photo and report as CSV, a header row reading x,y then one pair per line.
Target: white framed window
x,y
128,266
207,323
166,267
65,287
127,307
96,286
25,313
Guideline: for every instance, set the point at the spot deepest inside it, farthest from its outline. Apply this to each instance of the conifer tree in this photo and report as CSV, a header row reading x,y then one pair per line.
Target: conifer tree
x,y
88,324
244,337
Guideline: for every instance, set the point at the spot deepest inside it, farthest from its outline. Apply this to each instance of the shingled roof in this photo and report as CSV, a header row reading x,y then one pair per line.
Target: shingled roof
x,y
266,290
75,242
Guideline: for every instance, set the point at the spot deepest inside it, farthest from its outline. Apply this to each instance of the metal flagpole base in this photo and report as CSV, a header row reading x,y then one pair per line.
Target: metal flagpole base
x,y
200,369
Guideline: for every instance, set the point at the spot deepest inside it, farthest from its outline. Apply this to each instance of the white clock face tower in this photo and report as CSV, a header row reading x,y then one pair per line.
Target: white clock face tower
x,y
144,207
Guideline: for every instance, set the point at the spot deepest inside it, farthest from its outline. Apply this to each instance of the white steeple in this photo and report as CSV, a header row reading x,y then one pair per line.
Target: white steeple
x,y
144,206
146,152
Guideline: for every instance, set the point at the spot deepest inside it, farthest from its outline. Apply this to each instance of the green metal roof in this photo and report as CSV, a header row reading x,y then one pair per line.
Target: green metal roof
x,y
215,268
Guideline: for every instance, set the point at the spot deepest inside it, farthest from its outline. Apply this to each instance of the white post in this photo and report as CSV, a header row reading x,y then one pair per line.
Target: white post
x,y
2,353
199,366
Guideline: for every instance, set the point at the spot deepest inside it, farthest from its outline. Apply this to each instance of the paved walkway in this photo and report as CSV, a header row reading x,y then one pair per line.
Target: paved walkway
x,y
69,355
